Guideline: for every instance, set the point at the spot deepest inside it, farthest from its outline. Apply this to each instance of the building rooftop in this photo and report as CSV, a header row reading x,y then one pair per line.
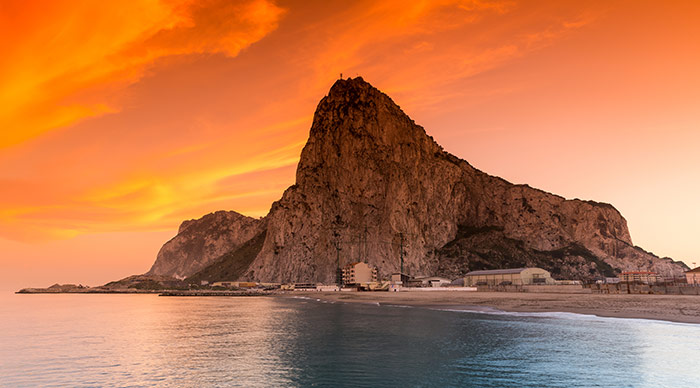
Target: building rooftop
x,y
696,269
497,271
428,278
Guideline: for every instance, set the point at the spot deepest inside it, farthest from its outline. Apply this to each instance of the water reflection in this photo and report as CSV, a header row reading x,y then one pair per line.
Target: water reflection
x,y
148,341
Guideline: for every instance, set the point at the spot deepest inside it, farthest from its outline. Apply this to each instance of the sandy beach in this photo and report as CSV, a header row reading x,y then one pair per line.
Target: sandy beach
x,y
675,308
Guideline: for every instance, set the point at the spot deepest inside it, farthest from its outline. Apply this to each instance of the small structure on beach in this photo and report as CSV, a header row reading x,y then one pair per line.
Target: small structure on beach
x,y
508,277
608,280
640,277
359,273
693,276
226,284
400,278
234,284
327,288
434,281
305,286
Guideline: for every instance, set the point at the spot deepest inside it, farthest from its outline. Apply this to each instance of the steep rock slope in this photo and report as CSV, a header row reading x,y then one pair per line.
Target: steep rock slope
x,y
368,174
199,242
371,182
230,265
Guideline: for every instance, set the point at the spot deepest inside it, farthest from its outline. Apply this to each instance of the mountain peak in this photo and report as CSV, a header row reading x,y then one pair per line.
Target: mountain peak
x,y
355,94
368,176
356,125
355,85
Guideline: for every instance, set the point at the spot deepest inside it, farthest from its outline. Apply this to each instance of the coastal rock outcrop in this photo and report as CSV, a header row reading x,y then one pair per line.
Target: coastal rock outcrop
x,y
371,185
199,242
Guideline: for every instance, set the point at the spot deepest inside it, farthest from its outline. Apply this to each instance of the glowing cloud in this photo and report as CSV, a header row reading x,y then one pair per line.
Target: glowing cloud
x,y
63,56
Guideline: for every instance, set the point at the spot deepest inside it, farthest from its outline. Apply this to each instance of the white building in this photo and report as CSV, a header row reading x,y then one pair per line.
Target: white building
x,y
359,273
693,276
506,277
434,281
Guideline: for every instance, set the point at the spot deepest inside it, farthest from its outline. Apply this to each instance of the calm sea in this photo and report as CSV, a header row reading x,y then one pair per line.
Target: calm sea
x,y
151,341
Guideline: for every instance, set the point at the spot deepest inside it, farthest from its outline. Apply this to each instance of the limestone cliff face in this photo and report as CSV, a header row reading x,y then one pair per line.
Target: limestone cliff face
x,y
370,181
201,241
368,174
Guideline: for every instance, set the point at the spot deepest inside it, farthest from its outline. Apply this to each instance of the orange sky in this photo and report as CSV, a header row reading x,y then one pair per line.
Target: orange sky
x,y
121,119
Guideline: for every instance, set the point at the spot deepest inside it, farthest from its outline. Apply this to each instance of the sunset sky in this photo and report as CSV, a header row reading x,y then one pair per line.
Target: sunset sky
x,y
120,119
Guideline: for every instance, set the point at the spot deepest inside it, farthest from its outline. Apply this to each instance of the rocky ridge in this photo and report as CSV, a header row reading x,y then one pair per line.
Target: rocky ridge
x,y
200,242
370,181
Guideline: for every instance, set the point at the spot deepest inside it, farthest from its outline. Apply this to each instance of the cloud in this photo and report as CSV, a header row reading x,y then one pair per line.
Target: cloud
x,y
236,135
416,48
67,61
147,196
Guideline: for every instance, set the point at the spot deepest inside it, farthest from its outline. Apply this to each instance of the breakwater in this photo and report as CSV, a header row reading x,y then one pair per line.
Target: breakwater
x,y
215,293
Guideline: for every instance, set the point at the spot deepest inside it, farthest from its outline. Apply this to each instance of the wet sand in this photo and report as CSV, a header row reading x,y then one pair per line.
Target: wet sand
x,y
675,308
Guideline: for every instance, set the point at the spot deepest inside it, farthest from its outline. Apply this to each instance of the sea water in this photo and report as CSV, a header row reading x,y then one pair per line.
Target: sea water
x,y
152,341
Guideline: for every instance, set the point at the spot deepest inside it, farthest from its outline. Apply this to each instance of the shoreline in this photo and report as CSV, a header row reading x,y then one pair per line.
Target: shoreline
x,y
670,308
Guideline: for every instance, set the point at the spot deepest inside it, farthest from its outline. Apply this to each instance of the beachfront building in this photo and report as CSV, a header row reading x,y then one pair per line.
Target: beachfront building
x,y
643,277
305,286
608,280
225,284
400,278
434,281
359,273
693,276
507,277
233,284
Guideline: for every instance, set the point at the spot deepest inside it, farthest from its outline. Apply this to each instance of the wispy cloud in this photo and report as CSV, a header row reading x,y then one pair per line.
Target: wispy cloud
x,y
206,148
67,61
